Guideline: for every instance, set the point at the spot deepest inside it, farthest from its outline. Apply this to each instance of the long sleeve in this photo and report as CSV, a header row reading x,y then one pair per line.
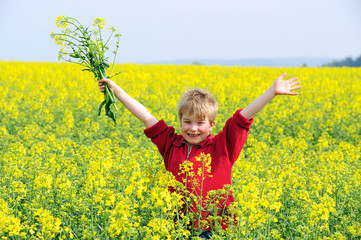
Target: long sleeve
x,y
233,136
163,137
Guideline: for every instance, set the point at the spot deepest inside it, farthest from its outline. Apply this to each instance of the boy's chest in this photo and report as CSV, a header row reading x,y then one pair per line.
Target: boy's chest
x,y
180,155
197,157
200,163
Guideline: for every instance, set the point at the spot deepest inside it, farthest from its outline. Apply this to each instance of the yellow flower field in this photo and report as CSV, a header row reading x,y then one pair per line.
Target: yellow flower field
x,y
67,173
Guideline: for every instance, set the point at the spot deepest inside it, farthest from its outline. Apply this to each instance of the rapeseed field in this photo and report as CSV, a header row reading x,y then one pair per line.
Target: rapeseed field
x,y
67,173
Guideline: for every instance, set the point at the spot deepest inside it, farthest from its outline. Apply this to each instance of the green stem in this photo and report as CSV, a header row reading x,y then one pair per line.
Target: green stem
x,y
80,49
74,20
92,218
72,23
100,37
115,54
201,196
106,43
177,209
68,60
185,191
66,35
109,95
102,73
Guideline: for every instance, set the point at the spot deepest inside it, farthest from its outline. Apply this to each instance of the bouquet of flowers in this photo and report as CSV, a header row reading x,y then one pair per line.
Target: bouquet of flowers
x,y
86,47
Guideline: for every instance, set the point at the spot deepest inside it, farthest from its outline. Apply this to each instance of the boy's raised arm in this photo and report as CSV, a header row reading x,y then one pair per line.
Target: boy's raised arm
x,y
130,103
279,87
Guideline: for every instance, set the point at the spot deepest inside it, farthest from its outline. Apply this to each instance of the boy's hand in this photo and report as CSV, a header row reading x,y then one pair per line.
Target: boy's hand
x,y
286,87
110,83
279,87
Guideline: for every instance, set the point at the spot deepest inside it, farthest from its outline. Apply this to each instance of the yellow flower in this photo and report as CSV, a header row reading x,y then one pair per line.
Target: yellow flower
x,y
43,180
59,20
49,224
100,22
60,162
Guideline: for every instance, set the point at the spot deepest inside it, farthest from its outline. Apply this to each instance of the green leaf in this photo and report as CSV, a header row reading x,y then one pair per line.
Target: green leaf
x,y
115,74
108,112
104,65
101,106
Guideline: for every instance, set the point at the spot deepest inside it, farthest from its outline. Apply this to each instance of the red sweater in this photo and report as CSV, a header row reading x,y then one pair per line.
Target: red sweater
x,y
224,150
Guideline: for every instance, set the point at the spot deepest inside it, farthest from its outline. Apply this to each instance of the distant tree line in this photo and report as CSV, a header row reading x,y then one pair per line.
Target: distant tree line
x,y
347,62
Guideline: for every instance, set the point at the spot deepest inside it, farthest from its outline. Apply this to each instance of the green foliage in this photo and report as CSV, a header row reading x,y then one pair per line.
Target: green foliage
x,y
347,62
87,48
68,174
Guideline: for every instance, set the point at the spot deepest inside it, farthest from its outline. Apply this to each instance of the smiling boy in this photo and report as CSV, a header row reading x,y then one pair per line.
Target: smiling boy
x,y
197,111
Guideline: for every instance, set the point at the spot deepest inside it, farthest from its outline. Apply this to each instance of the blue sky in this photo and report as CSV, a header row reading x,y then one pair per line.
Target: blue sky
x,y
165,30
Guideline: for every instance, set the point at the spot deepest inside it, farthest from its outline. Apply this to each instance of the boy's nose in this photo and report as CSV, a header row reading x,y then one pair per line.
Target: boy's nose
x,y
193,127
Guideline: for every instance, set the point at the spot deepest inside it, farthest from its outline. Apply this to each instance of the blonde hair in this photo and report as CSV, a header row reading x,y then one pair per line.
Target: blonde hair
x,y
200,102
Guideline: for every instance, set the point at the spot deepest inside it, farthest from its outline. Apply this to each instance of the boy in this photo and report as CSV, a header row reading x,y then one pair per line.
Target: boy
x,y
197,111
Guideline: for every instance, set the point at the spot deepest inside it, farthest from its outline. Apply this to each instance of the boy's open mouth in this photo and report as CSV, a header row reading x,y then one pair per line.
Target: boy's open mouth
x,y
193,135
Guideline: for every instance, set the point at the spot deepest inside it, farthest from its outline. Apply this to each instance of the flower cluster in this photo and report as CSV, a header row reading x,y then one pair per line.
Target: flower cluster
x,y
88,48
66,174
205,210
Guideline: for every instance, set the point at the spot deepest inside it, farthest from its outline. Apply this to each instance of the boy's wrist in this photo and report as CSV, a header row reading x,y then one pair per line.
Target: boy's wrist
x,y
271,93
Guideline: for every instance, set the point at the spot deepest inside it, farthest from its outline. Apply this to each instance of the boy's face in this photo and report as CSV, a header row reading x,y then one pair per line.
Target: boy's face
x,y
195,130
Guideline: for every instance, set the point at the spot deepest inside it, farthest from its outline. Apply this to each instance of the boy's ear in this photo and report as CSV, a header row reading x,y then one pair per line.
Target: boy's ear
x,y
212,125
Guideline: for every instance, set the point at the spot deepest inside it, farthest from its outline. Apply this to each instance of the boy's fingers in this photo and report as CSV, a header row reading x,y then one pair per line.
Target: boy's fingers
x,y
103,80
294,83
283,75
295,88
293,79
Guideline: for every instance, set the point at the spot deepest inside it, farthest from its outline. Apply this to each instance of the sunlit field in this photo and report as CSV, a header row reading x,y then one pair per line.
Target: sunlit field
x,y
67,173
